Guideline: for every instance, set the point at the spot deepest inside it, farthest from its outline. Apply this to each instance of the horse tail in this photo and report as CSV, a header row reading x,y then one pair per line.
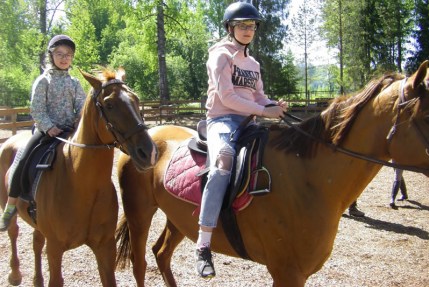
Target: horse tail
x,y
122,235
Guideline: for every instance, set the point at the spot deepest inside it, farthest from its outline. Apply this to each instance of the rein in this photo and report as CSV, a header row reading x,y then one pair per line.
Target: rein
x,y
108,146
351,153
119,137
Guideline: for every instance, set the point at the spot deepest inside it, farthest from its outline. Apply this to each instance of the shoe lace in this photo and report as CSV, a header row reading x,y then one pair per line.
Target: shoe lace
x,y
206,256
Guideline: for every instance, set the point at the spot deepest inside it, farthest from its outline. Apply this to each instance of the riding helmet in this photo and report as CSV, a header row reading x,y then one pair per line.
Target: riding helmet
x,y
61,40
240,11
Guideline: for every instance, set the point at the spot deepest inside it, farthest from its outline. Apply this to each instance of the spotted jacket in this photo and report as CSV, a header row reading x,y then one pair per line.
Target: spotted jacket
x,y
57,99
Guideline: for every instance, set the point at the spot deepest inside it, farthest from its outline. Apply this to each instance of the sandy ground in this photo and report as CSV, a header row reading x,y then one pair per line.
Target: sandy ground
x,y
385,248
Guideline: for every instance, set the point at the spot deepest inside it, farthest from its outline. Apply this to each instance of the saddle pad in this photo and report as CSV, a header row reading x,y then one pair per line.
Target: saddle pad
x,y
181,180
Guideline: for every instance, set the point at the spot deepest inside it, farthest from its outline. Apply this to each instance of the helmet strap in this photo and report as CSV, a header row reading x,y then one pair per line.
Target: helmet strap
x,y
232,36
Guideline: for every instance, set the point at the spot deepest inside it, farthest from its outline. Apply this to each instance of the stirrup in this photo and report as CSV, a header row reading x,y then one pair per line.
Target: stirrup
x,y
263,191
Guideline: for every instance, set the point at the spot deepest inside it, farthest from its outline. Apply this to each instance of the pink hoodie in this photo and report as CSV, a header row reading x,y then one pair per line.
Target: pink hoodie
x,y
235,84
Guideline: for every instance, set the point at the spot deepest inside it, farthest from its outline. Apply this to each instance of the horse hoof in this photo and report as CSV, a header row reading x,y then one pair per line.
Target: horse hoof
x,y
15,280
393,206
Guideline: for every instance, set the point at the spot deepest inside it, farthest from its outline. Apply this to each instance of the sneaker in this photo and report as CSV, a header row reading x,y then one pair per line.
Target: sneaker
x,y
205,267
353,211
6,218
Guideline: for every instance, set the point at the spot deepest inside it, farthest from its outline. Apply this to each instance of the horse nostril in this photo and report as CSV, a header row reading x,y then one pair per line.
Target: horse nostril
x,y
142,154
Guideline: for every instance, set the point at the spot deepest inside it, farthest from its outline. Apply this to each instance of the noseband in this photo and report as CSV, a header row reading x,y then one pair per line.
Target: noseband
x,y
120,137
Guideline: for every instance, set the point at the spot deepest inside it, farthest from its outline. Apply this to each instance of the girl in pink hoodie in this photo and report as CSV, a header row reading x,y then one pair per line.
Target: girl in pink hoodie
x,y
235,91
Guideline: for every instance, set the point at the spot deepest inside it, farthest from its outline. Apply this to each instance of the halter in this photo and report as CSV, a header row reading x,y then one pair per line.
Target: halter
x,y
392,131
120,138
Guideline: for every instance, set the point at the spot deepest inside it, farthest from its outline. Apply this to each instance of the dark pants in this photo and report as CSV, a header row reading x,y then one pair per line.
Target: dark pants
x,y
15,186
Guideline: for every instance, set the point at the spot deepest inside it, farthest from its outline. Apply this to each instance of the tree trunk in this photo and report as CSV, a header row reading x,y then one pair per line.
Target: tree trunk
x,y
163,84
43,30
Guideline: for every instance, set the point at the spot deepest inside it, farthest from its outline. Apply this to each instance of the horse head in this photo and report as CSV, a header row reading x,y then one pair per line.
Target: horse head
x,y
119,119
409,135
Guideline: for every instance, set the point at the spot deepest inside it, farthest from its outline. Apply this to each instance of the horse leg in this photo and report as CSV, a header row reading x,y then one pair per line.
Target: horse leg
x,y
38,244
287,276
55,253
15,276
163,250
105,253
139,224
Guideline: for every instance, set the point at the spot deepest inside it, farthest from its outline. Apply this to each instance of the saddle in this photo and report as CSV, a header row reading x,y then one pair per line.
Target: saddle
x,y
40,159
250,142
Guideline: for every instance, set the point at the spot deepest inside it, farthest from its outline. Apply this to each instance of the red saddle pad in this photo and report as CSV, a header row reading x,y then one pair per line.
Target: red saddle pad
x,y
181,179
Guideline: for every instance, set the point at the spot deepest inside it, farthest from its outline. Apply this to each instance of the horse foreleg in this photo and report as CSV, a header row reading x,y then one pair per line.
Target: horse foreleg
x,y
287,276
105,253
38,244
55,253
15,276
163,250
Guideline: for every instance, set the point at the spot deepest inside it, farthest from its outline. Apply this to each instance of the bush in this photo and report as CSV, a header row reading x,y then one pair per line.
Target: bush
x,y
15,88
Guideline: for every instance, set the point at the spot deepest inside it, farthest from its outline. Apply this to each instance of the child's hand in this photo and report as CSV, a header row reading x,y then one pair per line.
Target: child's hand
x,y
282,103
273,112
54,131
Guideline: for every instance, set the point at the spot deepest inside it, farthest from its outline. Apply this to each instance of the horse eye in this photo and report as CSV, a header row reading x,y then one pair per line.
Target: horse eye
x,y
109,106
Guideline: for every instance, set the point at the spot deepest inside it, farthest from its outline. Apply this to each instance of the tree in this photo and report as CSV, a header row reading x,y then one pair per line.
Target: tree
x,y
420,36
163,83
305,33
332,30
268,44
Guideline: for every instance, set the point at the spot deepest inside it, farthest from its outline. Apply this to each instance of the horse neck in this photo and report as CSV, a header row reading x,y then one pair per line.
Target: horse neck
x,y
335,178
88,133
367,137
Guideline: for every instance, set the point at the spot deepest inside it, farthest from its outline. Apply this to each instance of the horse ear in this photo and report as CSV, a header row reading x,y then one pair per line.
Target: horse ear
x,y
120,74
95,83
420,75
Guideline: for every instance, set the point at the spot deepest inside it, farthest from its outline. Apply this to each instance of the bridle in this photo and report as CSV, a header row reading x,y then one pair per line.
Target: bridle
x,y
119,137
402,103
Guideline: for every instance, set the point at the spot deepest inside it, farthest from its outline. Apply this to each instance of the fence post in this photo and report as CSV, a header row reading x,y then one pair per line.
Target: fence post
x,y
14,119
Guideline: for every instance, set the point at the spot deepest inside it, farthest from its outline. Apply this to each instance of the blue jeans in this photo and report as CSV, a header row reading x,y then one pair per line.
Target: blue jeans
x,y
221,151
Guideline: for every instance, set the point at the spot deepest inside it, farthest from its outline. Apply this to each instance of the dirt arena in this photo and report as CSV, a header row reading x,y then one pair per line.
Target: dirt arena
x,y
385,248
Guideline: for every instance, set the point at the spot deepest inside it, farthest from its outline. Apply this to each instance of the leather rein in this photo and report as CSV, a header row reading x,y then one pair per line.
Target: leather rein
x,y
402,103
120,138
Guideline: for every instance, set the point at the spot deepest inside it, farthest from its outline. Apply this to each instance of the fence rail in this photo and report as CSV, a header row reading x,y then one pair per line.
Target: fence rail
x,y
158,113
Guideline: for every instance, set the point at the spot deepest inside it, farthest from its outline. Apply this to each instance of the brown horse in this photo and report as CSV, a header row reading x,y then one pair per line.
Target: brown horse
x,y
76,200
292,229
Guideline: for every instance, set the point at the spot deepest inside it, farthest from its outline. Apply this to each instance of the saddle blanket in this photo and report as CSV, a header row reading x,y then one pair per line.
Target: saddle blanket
x,y
181,179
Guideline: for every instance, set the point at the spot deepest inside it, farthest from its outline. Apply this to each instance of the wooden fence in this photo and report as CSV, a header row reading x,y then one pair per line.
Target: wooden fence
x,y
186,113
10,121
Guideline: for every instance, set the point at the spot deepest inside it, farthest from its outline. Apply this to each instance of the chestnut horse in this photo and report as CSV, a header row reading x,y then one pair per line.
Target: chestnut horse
x,y
292,229
76,201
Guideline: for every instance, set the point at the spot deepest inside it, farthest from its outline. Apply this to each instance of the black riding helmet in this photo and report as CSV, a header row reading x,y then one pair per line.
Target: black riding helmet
x,y
240,11
61,40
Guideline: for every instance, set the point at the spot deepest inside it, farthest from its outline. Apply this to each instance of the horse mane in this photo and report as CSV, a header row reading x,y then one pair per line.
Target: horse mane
x,y
105,74
334,123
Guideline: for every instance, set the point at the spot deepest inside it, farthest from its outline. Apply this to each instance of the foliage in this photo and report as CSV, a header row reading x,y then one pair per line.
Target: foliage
x,y
421,36
370,37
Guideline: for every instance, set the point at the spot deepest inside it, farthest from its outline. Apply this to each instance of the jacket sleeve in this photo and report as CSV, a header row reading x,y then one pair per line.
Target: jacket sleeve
x,y
79,99
260,97
38,104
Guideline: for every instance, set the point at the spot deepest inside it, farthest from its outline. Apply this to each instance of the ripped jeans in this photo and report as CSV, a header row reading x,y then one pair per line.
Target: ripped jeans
x,y
221,152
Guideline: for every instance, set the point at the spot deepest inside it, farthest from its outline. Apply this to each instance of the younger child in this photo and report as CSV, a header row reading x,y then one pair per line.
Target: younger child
x,y
56,102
